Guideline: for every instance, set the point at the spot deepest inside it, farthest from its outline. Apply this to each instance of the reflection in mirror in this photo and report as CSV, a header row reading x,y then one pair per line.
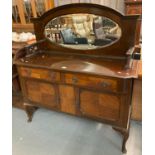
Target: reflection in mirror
x,y
82,31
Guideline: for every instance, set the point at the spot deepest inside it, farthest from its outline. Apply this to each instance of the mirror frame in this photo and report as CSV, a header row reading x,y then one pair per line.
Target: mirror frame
x,y
96,47
127,24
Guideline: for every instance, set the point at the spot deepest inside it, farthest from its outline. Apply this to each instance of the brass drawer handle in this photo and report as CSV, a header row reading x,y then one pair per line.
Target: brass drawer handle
x,y
105,84
53,76
74,79
28,72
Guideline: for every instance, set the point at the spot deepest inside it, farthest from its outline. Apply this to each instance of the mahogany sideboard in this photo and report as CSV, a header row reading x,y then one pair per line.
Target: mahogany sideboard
x,y
94,83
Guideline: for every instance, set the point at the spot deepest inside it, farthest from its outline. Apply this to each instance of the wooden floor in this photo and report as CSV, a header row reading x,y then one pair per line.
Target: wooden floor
x,y
53,133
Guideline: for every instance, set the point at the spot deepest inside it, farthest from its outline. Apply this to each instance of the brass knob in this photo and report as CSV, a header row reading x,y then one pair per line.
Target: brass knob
x,y
75,79
105,84
53,75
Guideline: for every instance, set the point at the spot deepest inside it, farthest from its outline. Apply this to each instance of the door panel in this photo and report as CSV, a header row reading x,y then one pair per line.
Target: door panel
x,y
100,105
67,99
40,92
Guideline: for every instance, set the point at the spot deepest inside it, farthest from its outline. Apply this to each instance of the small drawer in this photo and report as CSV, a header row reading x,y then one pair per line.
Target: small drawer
x,y
94,82
40,74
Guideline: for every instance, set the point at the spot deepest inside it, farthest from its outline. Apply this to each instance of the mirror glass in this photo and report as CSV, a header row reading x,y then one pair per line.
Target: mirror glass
x,y
82,31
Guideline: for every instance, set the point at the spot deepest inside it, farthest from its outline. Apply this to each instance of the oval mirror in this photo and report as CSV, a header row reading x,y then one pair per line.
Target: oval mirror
x,y
82,31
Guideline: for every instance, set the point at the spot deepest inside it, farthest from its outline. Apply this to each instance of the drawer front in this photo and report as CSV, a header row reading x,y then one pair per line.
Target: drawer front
x,y
39,74
94,82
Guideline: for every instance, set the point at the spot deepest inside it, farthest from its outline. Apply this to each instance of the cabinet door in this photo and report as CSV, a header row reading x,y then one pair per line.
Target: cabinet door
x,y
41,93
100,105
67,99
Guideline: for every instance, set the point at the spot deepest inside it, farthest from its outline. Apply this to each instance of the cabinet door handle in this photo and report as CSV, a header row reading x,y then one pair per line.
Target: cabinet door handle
x,y
27,72
53,75
74,79
105,84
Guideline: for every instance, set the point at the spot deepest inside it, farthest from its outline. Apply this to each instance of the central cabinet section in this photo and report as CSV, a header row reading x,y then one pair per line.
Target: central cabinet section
x,y
67,99
76,94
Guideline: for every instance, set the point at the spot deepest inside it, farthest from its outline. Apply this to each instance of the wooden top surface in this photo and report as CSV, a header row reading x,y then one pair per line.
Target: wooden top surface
x,y
79,64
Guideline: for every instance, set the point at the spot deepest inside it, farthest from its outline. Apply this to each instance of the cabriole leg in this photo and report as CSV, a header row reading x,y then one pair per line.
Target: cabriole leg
x,y
125,138
125,134
30,111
